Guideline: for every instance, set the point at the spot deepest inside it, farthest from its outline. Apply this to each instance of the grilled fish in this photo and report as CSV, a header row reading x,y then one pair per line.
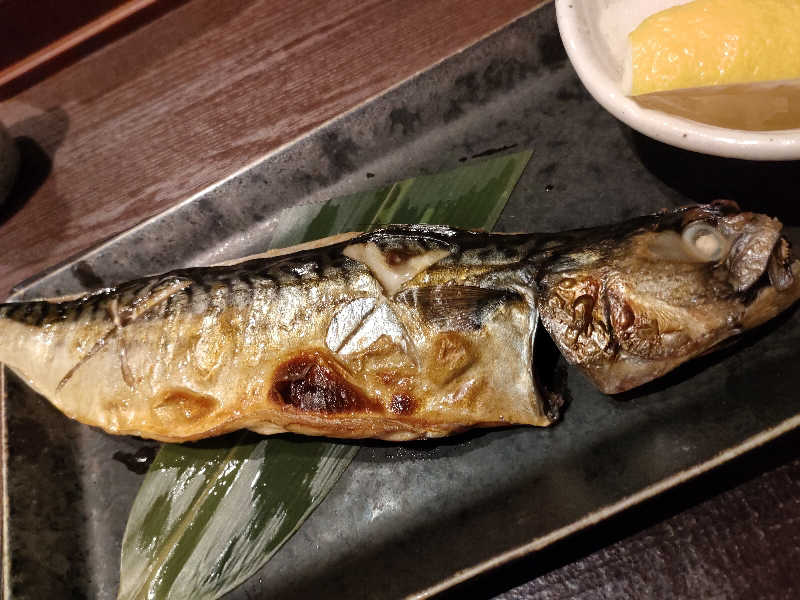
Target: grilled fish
x,y
403,332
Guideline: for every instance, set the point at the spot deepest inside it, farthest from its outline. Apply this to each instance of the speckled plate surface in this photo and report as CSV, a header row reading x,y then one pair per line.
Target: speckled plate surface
x,y
415,518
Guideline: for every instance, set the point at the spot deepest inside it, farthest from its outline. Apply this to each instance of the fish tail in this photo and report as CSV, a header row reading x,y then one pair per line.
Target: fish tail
x,y
18,322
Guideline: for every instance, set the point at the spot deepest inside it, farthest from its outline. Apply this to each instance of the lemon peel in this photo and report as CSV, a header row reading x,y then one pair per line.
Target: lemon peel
x,y
733,63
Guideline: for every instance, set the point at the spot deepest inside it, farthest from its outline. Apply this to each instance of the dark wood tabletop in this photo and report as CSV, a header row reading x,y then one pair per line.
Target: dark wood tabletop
x,y
206,88
200,92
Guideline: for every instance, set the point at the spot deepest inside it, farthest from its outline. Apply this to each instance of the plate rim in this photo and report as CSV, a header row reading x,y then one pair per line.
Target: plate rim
x,y
606,512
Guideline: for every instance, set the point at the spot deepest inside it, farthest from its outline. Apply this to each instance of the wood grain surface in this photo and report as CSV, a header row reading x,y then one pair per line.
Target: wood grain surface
x,y
31,41
24,32
199,93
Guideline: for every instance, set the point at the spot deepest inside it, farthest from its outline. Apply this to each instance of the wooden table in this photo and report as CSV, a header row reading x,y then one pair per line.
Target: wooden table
x,y
206,88
202,91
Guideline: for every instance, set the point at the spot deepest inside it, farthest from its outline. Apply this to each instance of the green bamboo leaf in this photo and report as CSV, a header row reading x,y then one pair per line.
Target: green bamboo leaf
x,y
209,515
472,197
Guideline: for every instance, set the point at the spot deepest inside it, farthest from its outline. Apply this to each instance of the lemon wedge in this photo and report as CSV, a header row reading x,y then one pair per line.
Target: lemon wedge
x,y
733,63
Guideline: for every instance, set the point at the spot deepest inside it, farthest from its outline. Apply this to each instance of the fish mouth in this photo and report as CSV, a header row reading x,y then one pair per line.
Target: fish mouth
x,y
762,253
776,290
778,274
779,265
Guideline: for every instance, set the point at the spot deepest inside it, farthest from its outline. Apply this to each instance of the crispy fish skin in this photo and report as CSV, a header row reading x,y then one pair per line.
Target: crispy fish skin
x,y
401,333
308,343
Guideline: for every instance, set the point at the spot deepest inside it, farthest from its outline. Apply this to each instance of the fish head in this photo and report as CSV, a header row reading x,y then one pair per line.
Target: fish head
x,y
630,302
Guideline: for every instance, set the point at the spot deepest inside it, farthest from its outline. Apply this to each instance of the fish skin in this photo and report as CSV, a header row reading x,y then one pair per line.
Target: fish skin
x,y
649,307
401,333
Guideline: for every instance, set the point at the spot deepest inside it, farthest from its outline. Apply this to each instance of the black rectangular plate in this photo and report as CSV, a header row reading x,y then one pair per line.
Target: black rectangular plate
x,y
414,518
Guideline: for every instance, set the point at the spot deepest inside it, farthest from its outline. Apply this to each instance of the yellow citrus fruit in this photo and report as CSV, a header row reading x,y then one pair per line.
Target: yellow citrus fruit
x,y
734,63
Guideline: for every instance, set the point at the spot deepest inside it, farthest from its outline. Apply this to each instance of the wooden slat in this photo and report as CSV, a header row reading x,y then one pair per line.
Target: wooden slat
x,y
200,92
73,38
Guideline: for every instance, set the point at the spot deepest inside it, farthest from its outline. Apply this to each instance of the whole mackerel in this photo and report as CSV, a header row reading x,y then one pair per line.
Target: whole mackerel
x,y
404,332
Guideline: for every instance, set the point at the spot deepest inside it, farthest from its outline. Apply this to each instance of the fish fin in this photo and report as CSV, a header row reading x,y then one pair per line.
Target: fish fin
x,y
98,346
152,297
122,317
453,306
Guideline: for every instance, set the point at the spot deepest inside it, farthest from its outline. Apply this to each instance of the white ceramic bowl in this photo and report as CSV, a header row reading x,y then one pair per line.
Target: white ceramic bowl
x,y
595,32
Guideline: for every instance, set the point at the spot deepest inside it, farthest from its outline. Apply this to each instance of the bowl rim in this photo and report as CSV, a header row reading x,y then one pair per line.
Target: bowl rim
x,y
673,130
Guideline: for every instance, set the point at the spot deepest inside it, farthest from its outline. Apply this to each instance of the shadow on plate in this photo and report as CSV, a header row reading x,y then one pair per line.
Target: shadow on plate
x,y
770,187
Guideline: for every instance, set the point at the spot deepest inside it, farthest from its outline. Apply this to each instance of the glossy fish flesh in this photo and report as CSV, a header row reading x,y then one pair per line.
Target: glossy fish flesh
x,y
404,332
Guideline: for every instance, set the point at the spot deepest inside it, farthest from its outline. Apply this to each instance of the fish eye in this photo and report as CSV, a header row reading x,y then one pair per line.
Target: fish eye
x,y
704,241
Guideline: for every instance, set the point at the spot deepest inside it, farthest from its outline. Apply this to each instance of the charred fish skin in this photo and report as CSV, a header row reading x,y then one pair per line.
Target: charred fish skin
x,y
403,332
315,342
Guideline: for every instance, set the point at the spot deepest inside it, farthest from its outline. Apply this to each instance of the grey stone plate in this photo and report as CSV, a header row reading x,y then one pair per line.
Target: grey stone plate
x,y
416,518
